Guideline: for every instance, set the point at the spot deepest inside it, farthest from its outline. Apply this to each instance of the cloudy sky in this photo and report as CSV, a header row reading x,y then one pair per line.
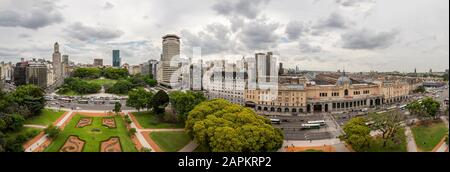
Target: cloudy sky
x,y
358,35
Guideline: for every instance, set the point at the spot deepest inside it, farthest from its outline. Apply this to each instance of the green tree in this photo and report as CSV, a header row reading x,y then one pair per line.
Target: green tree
x,y
137,80
159,102
30,97
183,102
11,122
139,99
150,81
226,127
120,87
426,109
52,131
388,123
420,89
89,73
79,86
117,107
431,107
357,134
132,131
115,73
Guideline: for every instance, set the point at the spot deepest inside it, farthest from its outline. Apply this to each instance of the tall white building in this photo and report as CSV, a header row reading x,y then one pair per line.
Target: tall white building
x,y
226,81
57,65
169,59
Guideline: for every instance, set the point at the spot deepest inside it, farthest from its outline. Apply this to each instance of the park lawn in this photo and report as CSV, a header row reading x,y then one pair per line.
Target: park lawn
x,y
47,117
202,148
170,141
150,120
71,93
94,139
428,136
398,145
102,81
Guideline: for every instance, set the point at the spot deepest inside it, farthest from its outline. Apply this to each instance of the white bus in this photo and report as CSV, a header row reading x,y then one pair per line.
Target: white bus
x,y
392,107
402,107
310,126
114,101
275,121
320,122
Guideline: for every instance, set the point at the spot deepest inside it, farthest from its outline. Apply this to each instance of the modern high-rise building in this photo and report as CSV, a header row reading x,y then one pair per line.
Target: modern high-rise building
x,y
36,73
265,67
98,62
169,63
57,65
116,58
150,68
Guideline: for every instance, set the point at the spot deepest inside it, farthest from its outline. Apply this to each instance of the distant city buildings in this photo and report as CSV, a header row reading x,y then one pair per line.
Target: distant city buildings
x,y
20,73
31,72
169,59
6,71
36,73
134,70
116,58
98,62
150,68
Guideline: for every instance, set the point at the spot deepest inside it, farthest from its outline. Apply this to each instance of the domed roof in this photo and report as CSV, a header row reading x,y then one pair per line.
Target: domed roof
x,y
342,80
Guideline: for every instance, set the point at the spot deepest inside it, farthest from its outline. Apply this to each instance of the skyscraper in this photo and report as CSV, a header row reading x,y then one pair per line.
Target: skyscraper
x,y
171,51
57,65
116,58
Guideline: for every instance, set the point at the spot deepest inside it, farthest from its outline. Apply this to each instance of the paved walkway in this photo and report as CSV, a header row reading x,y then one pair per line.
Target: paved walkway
x,y
444,119
161,130
189,147
44,138
411,143
313,143
35,126
443,147
139,135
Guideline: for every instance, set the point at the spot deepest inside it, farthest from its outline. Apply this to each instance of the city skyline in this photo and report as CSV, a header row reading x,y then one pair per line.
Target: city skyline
x,y
313,34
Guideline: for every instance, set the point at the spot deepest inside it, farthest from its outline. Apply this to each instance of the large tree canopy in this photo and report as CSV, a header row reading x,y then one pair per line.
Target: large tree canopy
x,y
227,127
183,102
388,123
90,73
159,102
115,73
427,108
79,86
29,97
139,99
357,133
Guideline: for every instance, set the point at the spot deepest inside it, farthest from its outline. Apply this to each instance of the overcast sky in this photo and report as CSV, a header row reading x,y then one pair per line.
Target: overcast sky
x,y
358,35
